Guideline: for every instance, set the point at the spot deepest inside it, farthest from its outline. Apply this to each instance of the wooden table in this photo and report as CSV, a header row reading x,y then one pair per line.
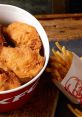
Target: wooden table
x,y
44,101
62,26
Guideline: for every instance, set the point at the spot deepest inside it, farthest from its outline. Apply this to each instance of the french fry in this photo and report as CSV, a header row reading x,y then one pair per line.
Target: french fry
x,y
64,50
58,46
56,74
81,58
59,58
60,62
78,111
75,111
58,65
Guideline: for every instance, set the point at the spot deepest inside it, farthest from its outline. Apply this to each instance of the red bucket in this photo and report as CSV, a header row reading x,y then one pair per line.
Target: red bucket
x,y
11,100
15,98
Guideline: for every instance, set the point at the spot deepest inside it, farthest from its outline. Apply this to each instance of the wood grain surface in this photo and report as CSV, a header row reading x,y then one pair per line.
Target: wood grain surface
x,y
62,27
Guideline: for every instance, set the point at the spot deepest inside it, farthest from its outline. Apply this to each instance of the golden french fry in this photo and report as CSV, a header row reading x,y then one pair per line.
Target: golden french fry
x,y
58,46
81,58
53,51
59,66
59,57
64,50
57,74
76,112
64,58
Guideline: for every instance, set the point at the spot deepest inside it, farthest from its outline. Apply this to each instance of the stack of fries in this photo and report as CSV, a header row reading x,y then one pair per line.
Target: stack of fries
x,y
59,65
60,62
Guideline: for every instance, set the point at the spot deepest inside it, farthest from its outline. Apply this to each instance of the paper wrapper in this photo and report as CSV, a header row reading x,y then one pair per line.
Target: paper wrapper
x,y
71,85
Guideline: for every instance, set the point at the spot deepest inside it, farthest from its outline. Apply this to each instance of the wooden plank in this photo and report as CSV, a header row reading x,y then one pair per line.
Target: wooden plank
x,y
63,28
58,16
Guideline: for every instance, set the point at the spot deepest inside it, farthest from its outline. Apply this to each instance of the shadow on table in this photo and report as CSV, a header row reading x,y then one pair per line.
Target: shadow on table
x,y
62,109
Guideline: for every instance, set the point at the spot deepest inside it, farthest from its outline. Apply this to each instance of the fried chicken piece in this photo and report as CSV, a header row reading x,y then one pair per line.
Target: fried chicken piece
x,y
24,62
23,34
8,80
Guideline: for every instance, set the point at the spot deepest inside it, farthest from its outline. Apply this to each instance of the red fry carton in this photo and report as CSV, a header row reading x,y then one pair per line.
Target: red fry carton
x,y
71,85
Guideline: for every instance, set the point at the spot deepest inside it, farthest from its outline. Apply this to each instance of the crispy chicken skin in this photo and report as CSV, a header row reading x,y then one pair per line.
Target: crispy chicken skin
x,y
23,34
23,61
8,80
20,59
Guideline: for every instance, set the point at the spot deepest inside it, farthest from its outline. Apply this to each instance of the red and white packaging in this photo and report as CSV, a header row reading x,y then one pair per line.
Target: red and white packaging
x,y
71,85
15,98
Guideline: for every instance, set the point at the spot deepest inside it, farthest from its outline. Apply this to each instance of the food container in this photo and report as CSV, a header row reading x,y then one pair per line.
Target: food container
x,y
15,98
71,85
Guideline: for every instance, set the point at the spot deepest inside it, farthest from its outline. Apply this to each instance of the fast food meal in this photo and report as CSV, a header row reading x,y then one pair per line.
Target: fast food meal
x,y
23,61
66,70
60,62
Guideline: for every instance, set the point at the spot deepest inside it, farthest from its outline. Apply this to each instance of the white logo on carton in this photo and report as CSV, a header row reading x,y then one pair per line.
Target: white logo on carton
x,y
17,97
74,86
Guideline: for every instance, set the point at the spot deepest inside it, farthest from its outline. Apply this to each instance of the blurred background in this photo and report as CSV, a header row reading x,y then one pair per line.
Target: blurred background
x,y
47,6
